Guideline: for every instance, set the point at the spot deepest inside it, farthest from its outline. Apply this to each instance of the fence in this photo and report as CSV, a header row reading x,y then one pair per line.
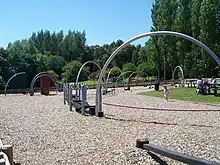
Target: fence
x,y
144,144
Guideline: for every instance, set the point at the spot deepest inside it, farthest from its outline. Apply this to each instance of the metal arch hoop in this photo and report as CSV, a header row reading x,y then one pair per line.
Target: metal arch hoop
x,y
175,72
31,87
122,74
38,76
6,85
80,70
77,78
197,42
139,72
113,78
109,73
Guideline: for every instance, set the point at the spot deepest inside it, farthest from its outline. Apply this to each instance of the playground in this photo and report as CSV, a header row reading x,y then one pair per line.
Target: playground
x,y
43,131
104,125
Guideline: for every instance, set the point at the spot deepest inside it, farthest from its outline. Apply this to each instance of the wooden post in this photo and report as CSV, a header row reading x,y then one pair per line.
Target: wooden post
x,y
7,149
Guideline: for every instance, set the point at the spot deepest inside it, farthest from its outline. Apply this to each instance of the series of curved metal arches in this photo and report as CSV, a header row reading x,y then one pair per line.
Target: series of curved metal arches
x,y
109,73
101,76
138,72
41,74
200,44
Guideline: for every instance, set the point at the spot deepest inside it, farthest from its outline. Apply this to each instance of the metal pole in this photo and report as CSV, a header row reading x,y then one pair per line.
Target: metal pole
x,y
80,92
36,77
178,156
106,81
70,97
64,94
139,72
83,107
122,74
6,85
80,70
144,144
84,90
197,42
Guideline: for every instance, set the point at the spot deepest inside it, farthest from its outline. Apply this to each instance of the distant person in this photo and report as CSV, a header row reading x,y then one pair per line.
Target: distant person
x,y
165,92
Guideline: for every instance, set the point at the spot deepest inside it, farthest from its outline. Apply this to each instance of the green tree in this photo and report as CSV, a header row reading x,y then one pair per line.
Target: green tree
x,y
2,83
195,28
54,75
128,67
147,67
207,22
70,71
55,63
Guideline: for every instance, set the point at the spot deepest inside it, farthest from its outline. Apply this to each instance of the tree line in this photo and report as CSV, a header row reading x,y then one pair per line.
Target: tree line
x,y
63,54
197,18
59,54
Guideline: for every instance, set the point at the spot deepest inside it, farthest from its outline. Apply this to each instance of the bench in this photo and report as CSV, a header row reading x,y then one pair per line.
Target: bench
x,y
215,89
191,82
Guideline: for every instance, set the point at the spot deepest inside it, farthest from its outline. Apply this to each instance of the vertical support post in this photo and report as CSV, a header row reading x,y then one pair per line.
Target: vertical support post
x,y
70,97
79,94
67,93
98,111
96,103
76,86
100,103
64,94
84,98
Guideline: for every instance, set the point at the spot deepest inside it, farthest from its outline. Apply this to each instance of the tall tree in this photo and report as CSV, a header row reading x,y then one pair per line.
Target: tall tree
x,y
183,25
195,28
207,22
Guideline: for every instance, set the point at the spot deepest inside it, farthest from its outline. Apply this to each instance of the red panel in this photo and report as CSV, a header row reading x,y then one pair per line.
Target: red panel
x,y
45,85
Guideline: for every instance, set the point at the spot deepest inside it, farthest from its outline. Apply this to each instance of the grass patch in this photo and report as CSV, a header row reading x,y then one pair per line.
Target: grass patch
x,y
186,94
90,82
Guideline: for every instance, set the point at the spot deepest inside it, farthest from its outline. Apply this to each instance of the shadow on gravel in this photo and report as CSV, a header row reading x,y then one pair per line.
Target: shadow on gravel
x,y
111,117
157,158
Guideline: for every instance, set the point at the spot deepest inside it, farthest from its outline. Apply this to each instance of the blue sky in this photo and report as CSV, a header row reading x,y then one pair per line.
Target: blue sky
x,y
103,20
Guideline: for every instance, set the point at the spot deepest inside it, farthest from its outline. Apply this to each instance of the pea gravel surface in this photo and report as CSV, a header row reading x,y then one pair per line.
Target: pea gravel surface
x,y
43,131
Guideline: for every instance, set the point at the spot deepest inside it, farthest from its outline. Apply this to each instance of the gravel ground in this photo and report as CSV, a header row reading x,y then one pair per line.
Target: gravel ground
x,y
43,131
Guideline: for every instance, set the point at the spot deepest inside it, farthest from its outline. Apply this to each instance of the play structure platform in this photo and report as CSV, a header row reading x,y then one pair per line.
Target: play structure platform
x,y
77,104
81,105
